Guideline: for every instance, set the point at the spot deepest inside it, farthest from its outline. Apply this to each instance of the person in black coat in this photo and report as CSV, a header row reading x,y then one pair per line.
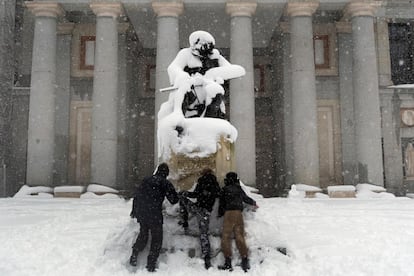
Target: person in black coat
x,y
231,206
206,192
147,209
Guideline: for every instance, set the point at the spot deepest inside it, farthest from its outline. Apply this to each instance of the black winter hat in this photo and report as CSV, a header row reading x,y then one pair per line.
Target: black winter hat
x,y
163,169
232,176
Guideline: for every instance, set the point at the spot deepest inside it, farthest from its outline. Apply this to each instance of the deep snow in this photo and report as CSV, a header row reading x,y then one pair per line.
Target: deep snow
x,y
93,236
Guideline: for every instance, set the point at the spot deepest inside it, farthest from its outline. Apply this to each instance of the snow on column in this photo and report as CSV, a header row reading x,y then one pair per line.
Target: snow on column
x,y
242,102
304,105
366,92
41,132
167,48
104,97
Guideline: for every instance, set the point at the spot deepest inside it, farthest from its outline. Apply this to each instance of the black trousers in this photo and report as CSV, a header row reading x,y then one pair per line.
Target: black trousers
x,y
203,219
156,241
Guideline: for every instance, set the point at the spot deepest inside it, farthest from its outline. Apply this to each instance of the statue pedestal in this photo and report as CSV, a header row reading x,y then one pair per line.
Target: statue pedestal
x,y
185,170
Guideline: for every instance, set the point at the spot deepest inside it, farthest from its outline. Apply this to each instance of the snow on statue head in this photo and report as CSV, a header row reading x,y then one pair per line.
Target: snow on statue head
x,y
201,43
191,122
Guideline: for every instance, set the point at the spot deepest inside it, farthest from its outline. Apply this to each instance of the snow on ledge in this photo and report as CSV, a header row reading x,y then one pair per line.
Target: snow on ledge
x,y
92,195
26,190
307,188
69,189
341,188
96,188
402,86
369,187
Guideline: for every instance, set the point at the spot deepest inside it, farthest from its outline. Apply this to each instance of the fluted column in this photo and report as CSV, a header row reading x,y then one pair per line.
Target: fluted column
x,y
242,102
167,49
104,98
366,92
304,104
41,132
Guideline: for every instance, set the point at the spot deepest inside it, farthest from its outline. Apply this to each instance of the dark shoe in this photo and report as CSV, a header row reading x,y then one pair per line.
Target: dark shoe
x,y
207,262
151,268
133,258
245,264
226,265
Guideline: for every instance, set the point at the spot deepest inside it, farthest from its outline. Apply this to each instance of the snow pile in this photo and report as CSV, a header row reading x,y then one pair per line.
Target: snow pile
x,y
372,191
41,191
295,193
199,138
95,188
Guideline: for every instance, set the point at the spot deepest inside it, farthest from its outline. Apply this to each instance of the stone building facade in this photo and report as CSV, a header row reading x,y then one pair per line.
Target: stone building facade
x,y
319,103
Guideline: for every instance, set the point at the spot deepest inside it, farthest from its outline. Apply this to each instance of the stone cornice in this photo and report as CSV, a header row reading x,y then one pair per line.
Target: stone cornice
x,y
244,8
170,9
45,8
361,8
110,9
301,8
65,28
343,27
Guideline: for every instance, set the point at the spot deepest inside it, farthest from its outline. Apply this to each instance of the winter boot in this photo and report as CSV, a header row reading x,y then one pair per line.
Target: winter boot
x,y
133,258
226,265
150,268
207,262
245,264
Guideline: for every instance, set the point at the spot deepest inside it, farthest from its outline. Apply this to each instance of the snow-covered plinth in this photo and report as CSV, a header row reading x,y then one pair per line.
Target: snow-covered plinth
x,y
341,191
309,190
69,191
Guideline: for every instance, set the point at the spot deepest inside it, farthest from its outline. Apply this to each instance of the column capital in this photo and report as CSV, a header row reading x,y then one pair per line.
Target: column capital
x,y
110,9
65,28
361,8
241,8
301,8
171,9
44,8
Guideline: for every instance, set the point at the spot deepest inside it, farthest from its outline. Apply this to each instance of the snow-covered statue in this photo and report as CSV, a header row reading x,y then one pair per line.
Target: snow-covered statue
x,y
190,123
198,73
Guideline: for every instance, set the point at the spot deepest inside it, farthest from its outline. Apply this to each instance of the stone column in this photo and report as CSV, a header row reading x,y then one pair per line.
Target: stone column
x,y
383,48
242,102
390,114
366,93
304,105
123,113
62,102
41,131
346,97
167,49
105,98
7,68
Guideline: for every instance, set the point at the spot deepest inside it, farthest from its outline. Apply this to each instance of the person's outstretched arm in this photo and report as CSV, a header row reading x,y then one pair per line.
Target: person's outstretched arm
x,y
171,194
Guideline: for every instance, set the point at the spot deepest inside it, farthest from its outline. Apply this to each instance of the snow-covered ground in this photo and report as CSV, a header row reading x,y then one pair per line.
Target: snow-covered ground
x,y
89,236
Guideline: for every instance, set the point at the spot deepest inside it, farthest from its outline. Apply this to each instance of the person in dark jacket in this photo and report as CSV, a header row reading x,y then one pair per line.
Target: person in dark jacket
x,y
206,192
231,206
147,209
